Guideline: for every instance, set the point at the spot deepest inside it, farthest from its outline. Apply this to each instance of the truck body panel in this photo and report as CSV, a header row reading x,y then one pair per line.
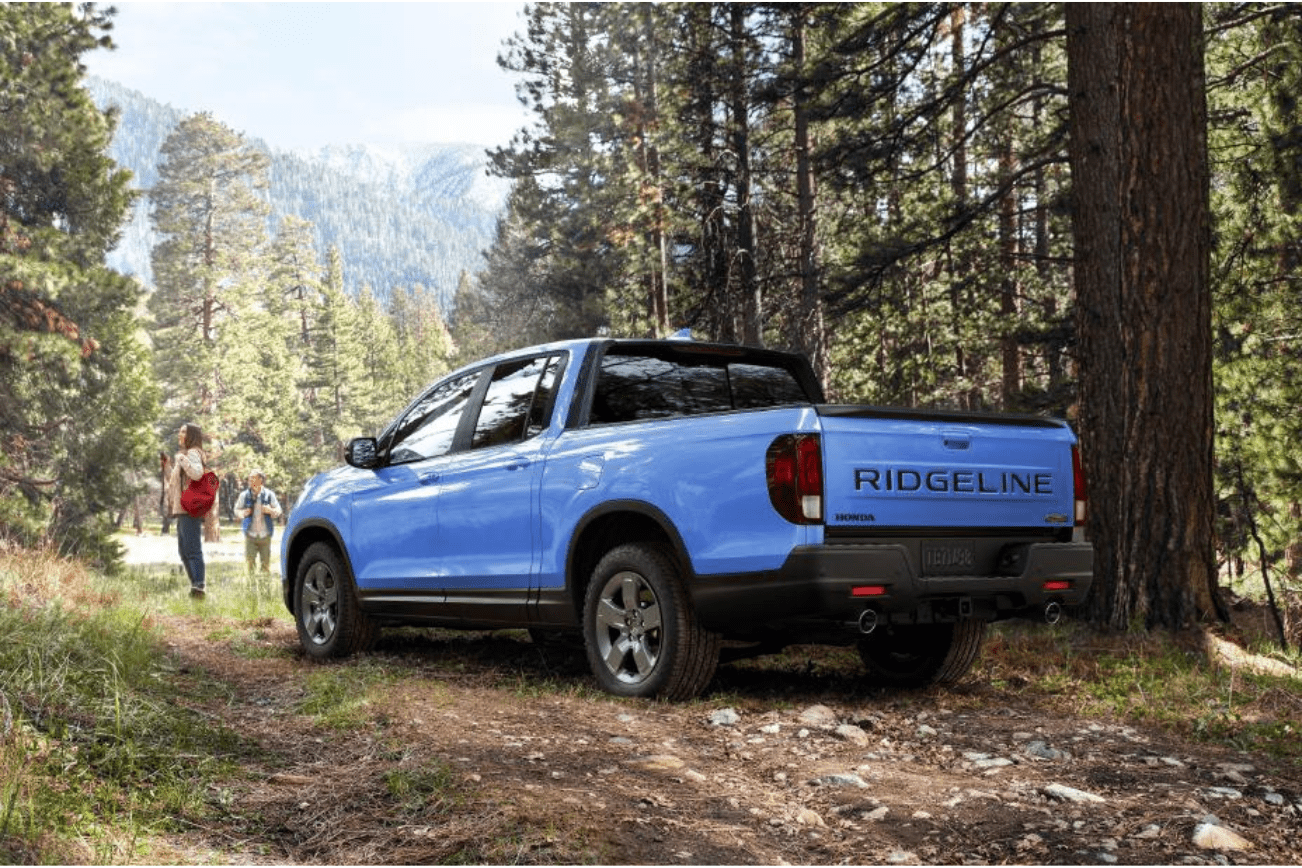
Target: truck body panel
x,y
945,470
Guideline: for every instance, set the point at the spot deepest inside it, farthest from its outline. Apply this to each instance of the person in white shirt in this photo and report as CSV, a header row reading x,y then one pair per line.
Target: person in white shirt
x,y
258,506
187,466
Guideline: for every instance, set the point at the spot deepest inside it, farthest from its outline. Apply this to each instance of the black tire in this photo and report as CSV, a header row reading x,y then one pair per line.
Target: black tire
x,y
641,635
922,655
329,619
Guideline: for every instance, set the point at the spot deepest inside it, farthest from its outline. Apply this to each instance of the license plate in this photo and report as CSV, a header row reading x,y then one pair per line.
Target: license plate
x,y
948,558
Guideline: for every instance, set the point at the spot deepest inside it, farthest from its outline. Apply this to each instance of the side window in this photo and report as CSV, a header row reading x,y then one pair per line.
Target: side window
x,y
756,386
517,402
429,427
633,387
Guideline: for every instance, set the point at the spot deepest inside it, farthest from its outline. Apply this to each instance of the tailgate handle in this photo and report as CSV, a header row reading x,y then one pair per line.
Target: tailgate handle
x,y
957,441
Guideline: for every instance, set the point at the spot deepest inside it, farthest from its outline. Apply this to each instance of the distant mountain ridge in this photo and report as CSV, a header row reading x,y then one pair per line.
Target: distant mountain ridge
x,y
400,216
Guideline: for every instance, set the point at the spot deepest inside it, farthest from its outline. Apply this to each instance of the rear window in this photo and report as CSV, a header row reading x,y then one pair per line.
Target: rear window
x,y
631,387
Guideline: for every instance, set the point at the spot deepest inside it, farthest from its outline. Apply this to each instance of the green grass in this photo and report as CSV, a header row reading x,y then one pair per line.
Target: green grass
x,y
231,592
424,790
341,697
1150,678
100,746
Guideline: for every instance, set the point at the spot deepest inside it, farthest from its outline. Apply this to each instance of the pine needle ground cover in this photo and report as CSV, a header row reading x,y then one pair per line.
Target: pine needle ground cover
x,y
138,726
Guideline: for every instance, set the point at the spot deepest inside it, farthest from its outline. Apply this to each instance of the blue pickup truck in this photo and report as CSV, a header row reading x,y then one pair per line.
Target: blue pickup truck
x,y
663,501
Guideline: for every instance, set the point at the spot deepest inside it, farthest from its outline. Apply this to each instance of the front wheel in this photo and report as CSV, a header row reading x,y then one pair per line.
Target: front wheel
x,y
641,635
326,611
922,655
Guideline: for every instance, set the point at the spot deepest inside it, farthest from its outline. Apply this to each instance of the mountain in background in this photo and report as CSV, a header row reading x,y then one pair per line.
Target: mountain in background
x,y
401,216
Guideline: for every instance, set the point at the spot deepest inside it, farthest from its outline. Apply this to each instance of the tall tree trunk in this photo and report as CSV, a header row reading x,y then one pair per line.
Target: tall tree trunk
x,y
813,331
1010,350
965,366
707,276
657,275
1140,177
1053,348
750,290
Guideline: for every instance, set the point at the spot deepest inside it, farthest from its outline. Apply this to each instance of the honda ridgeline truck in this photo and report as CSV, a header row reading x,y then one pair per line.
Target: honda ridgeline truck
x,y
660,500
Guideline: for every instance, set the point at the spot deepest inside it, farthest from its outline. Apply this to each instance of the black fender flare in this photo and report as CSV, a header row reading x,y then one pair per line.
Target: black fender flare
x,y
311,531
643,515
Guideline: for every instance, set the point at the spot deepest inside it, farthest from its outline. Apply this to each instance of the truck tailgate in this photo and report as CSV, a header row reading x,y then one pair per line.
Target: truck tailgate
x,y
891,469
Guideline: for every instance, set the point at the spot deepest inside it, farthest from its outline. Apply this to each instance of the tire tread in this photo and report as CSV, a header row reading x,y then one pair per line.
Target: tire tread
x,y
944,666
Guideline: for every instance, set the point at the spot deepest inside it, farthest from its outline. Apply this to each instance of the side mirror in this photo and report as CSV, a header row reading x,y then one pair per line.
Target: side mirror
x,y
363,453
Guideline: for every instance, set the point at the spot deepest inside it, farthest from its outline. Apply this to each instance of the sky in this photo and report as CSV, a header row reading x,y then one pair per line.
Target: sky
x,y
301,76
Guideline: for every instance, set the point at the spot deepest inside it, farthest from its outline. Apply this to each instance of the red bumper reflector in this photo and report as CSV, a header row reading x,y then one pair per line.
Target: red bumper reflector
x,y
1058,585
868,591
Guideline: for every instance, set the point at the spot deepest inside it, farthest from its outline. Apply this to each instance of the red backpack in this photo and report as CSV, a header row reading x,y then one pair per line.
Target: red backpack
x,y
199,495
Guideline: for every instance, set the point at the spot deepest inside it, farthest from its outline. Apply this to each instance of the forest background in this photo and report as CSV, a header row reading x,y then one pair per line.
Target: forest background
x,y
886,188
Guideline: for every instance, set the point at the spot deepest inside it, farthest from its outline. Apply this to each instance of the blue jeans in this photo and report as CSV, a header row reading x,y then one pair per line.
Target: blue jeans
x,y
189,542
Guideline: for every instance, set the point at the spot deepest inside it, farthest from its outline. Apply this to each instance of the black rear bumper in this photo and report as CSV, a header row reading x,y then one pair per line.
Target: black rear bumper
x,y
836,584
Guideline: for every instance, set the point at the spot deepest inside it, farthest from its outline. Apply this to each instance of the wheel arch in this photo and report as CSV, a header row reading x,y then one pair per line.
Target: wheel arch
x,y
305,536
609,525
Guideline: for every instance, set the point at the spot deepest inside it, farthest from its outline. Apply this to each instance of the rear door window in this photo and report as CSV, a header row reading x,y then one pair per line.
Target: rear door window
x,y
755,386
632,387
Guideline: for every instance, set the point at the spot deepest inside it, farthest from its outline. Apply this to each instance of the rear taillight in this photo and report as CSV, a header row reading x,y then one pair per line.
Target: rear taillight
x,y
1081,491
794,466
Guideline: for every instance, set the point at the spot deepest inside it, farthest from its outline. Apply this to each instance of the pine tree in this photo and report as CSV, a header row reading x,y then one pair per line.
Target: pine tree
x,y
651,176
703,235
562,209
1255,63
378,396
208,206
471,324
925,154
263,415
514,304
333,369
1139,160
75,395
424,343
810,329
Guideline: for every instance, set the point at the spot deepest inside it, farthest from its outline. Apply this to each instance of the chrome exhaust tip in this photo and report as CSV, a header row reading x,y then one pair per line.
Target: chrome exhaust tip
x,y
868,621
1053,612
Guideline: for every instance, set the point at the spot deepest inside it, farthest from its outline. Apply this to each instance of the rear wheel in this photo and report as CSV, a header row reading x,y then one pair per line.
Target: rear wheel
x,y
641,635
326,611
921,655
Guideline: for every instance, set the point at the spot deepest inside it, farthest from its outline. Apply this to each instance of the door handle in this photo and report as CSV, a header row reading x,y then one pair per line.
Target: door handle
x,y
521,464
428,478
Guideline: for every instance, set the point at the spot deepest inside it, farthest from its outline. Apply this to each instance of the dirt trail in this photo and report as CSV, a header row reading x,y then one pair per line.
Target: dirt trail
x,y
486,748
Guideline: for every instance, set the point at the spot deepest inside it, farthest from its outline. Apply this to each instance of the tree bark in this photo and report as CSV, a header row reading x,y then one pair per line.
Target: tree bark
x,y
752,301
813,329
1009,315
657,275
1140,185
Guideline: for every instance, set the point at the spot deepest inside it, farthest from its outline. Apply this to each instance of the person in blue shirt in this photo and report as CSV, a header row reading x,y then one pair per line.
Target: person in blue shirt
x,y
258,506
